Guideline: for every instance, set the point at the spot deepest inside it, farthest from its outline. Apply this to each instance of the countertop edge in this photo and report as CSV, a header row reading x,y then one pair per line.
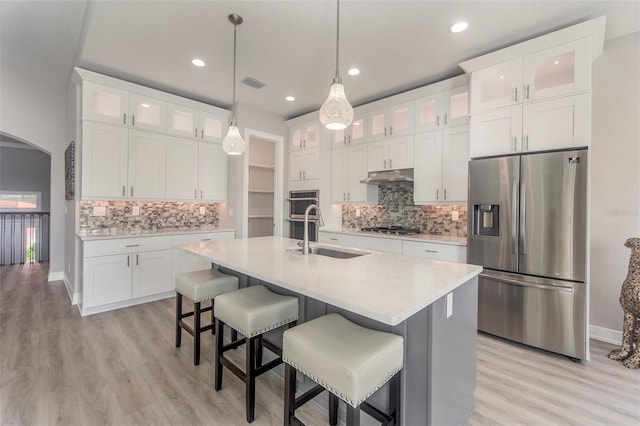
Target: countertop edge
x,y
427,238
84,237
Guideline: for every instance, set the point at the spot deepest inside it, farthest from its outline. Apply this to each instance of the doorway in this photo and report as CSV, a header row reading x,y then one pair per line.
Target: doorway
x,y
263,184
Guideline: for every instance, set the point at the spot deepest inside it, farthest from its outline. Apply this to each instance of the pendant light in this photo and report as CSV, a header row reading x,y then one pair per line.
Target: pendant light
x,y
233,144
336,113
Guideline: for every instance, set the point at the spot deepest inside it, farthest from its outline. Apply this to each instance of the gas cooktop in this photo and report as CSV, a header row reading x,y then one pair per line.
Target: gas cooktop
x,y
392,230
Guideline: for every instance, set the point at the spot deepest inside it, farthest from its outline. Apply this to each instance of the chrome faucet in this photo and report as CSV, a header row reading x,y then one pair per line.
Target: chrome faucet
x,y
305,241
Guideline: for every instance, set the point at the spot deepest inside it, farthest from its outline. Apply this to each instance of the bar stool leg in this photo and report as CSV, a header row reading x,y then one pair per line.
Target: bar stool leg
x,y
289,393
196,329
218,354
250,388
333,409
353,416
178,315
213,319
258,349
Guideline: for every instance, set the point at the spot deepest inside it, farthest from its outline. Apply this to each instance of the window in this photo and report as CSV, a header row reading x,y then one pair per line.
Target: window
x,y
20,201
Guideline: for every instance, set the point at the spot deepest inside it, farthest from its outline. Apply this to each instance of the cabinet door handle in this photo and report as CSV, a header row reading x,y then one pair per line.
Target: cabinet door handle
x,y
124,118
201,134
195,193
299,175
526,143
137,263
123,190
445,119
201,196
132,190
205,239
437,119
304,142
390,130
344,196
300,143
128,261
304,174
431,251
445,193
437,194
349,139
515,94
345,139
515,143
527,93
348,196
132,245
385,131
385,164
133,120
390,161
196,134
333,239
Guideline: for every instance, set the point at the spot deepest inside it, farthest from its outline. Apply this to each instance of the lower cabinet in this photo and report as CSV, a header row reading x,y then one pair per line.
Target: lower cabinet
x,y
122,272
435,251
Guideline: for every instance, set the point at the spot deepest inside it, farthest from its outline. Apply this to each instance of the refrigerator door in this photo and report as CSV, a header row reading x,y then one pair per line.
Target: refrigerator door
x,y
553,214
493,211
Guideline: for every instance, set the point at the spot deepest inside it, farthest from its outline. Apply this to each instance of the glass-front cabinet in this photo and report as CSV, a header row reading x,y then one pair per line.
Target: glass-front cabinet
x,y
396,120
147,113
354,134
442,109
104,104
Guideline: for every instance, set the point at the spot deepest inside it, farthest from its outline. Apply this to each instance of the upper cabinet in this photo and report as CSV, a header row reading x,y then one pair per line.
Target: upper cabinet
x,y
122,108
557,71
352,135
442,109
396,153
191,123
396,120
305,136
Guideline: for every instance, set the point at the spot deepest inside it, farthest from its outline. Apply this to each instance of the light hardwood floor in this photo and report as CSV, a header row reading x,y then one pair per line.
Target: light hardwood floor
x,y
122,368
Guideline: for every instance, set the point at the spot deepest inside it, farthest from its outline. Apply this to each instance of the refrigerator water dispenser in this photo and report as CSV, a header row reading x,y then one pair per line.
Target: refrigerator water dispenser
x,y
486,219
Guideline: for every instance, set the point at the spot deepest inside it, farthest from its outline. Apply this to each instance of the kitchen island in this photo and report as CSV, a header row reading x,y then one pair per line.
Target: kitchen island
x,y
432,304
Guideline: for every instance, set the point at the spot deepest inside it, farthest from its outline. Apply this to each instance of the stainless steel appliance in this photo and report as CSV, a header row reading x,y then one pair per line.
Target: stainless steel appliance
x,y
298,203
527,228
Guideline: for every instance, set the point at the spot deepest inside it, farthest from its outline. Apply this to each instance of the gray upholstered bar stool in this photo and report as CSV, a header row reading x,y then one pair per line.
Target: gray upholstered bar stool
x,y
199,286
348,360
252,311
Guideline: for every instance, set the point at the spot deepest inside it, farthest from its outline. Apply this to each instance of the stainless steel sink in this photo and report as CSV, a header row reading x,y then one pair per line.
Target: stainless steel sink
x,y
335,252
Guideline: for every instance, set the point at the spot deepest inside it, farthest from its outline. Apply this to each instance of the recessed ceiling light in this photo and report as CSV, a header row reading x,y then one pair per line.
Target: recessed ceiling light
x,y
289,99
353,71
458,27
556,62
197,62
145,105
502,77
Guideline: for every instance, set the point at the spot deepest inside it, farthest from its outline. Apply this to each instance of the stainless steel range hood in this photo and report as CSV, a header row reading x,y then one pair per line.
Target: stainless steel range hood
x,y
399,175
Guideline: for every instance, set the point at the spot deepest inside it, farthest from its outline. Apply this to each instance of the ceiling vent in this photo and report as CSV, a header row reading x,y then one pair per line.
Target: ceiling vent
x,y
252,82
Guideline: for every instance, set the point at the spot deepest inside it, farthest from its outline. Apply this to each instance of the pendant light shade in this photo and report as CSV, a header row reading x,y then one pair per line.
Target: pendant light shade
x,y
336,113
233,144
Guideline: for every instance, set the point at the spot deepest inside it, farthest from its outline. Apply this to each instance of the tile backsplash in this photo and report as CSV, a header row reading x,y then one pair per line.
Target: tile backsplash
x,y
395,207
152,214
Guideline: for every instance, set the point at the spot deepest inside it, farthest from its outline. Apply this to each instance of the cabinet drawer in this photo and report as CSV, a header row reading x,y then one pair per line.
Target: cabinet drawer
x,y
205,236
337,239
125,245
387,245
435,251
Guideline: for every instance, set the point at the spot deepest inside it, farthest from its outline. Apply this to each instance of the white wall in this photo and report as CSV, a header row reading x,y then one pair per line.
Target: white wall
x,y
615,174
33,110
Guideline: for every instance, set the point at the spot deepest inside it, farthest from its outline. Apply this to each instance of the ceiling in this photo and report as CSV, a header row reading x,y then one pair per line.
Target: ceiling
x,y
289,45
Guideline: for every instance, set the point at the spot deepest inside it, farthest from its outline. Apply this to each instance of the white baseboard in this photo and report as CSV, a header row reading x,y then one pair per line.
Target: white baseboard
x,y
55,276
126,303
605,334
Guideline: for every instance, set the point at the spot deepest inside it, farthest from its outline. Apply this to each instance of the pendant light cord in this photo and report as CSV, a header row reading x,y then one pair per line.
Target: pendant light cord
x,y
233,104
337,77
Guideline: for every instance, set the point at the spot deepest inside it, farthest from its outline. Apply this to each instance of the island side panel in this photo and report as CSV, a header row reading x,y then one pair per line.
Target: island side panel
x,y
452,361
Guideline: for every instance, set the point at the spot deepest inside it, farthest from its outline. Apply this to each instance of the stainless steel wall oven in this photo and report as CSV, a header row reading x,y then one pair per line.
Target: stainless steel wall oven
x,y
298,203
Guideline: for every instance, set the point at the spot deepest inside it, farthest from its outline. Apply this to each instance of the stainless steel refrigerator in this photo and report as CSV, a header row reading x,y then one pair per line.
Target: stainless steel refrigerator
x,y
527,227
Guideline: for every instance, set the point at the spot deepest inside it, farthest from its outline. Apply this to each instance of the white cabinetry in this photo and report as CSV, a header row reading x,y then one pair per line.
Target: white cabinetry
x,y
196,171
305,136
354,134
395,153
435,251
121,163
442,109
187,262
338,239
191,123
118,107
552,124
349,167
304,164
396,120
116,271
441,169
552,72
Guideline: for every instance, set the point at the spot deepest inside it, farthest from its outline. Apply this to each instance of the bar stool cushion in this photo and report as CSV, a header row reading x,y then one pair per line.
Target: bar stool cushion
x,y
255,310
205,284
350,361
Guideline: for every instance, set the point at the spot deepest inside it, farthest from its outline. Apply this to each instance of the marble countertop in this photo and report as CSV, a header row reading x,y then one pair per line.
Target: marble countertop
x,y
385,287
431,238
109,233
